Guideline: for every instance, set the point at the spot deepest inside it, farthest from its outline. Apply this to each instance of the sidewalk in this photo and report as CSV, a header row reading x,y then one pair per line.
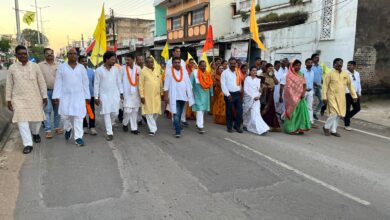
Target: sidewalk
x,y
377,112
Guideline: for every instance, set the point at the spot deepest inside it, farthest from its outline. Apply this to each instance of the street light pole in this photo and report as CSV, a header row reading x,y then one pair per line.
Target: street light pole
x,y
36,12
18,37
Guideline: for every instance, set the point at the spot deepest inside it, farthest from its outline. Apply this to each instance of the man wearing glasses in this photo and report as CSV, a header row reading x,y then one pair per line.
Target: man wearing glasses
x,y
49,68
26,95
355,78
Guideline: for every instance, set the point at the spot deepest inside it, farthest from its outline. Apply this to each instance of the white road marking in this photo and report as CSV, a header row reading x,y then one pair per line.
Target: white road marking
x,y
307,176
365,132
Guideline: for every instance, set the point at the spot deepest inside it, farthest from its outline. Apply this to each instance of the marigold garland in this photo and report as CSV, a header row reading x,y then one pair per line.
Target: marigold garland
x,y
129,76
205,79
181,75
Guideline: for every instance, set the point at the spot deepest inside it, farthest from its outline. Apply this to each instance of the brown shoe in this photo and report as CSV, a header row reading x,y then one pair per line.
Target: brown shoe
x,y
49,135
59,131
314,126
326,131
335,134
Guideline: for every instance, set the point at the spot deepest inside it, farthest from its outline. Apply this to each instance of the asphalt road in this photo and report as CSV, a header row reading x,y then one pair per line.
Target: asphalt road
x,y
212,176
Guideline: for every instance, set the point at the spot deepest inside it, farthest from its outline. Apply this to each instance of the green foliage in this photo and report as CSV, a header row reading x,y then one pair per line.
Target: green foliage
x,y
5,45
36,52
32,36
292,18
296,2
257,8
244,16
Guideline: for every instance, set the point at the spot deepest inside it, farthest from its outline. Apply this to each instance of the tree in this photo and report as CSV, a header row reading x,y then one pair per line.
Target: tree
x,y
5,45
36,52
32,36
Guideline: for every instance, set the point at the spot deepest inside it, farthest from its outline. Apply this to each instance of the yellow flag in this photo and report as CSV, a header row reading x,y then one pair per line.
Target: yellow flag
x,y
254,29
325,69
100,40
189,56
165,52
29,17
204,57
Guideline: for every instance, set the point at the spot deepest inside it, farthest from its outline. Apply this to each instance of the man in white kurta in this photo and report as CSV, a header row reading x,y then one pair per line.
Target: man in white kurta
x,y
177,91
25,93
71,90
132,102
176,52
108,91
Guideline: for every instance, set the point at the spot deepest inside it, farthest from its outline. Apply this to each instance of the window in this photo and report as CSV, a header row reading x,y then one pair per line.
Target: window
x,y
245,5
176,23
198,16
327,20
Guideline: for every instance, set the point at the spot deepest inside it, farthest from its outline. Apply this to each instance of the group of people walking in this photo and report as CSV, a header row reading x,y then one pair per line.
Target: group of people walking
x,y
260,97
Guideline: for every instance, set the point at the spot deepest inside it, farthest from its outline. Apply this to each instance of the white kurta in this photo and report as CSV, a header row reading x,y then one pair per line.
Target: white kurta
x,y
279,76
175,93
72,89
108,87
251,108
131,93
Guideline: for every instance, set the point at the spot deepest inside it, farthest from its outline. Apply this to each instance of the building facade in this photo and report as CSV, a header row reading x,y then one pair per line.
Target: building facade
x,y
127,30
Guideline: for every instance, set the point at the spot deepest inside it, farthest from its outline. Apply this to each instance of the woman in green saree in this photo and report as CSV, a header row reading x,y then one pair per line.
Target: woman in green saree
x,y
296,115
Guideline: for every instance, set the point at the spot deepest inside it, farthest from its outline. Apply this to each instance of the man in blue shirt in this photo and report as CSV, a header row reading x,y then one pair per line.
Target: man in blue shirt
x,y
89,125
317,69
309,77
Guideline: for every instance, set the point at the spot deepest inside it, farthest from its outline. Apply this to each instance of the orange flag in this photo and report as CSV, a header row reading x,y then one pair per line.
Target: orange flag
x,y
209,40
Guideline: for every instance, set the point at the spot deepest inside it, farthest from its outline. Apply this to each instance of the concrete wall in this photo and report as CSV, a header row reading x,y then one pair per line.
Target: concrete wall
x,y
373,45
5,115
220,17
301,41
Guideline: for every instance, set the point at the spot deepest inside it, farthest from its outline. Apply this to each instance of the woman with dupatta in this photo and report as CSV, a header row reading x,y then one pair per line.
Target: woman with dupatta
x,y
296,115
268,111
219,107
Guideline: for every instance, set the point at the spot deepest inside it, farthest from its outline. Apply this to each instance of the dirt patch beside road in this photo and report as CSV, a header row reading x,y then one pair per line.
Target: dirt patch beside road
x,y
11,160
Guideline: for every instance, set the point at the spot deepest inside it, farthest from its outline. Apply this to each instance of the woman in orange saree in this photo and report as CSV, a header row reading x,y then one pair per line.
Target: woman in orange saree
x,y
219,108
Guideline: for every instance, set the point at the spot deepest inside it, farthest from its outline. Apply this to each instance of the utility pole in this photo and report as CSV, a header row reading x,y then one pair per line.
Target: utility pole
x,y
40,17
113,24
82,41
36,12
18,37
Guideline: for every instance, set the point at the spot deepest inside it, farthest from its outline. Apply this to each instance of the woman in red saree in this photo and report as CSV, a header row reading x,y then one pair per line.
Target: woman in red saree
x,y
296,115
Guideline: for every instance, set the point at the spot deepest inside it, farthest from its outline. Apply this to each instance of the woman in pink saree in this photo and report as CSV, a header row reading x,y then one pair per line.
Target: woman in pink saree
x,y
296,115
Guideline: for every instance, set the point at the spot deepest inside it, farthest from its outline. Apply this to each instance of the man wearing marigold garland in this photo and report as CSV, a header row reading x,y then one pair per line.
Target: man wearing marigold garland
x,y
177,91
150,90
231,88
202,84
132,101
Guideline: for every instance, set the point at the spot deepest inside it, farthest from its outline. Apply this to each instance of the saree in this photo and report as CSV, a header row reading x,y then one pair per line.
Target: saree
x,y
268,111
296,116
219,107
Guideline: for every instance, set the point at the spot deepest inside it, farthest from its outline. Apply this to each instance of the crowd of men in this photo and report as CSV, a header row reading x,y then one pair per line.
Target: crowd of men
x,y
260,97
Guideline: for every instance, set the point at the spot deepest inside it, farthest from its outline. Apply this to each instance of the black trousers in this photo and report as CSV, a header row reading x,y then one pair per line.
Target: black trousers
x,y
349,114
90,123
236,103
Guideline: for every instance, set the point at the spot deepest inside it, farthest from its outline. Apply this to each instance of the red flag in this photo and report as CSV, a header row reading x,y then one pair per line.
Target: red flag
x,y
209,40
115,47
